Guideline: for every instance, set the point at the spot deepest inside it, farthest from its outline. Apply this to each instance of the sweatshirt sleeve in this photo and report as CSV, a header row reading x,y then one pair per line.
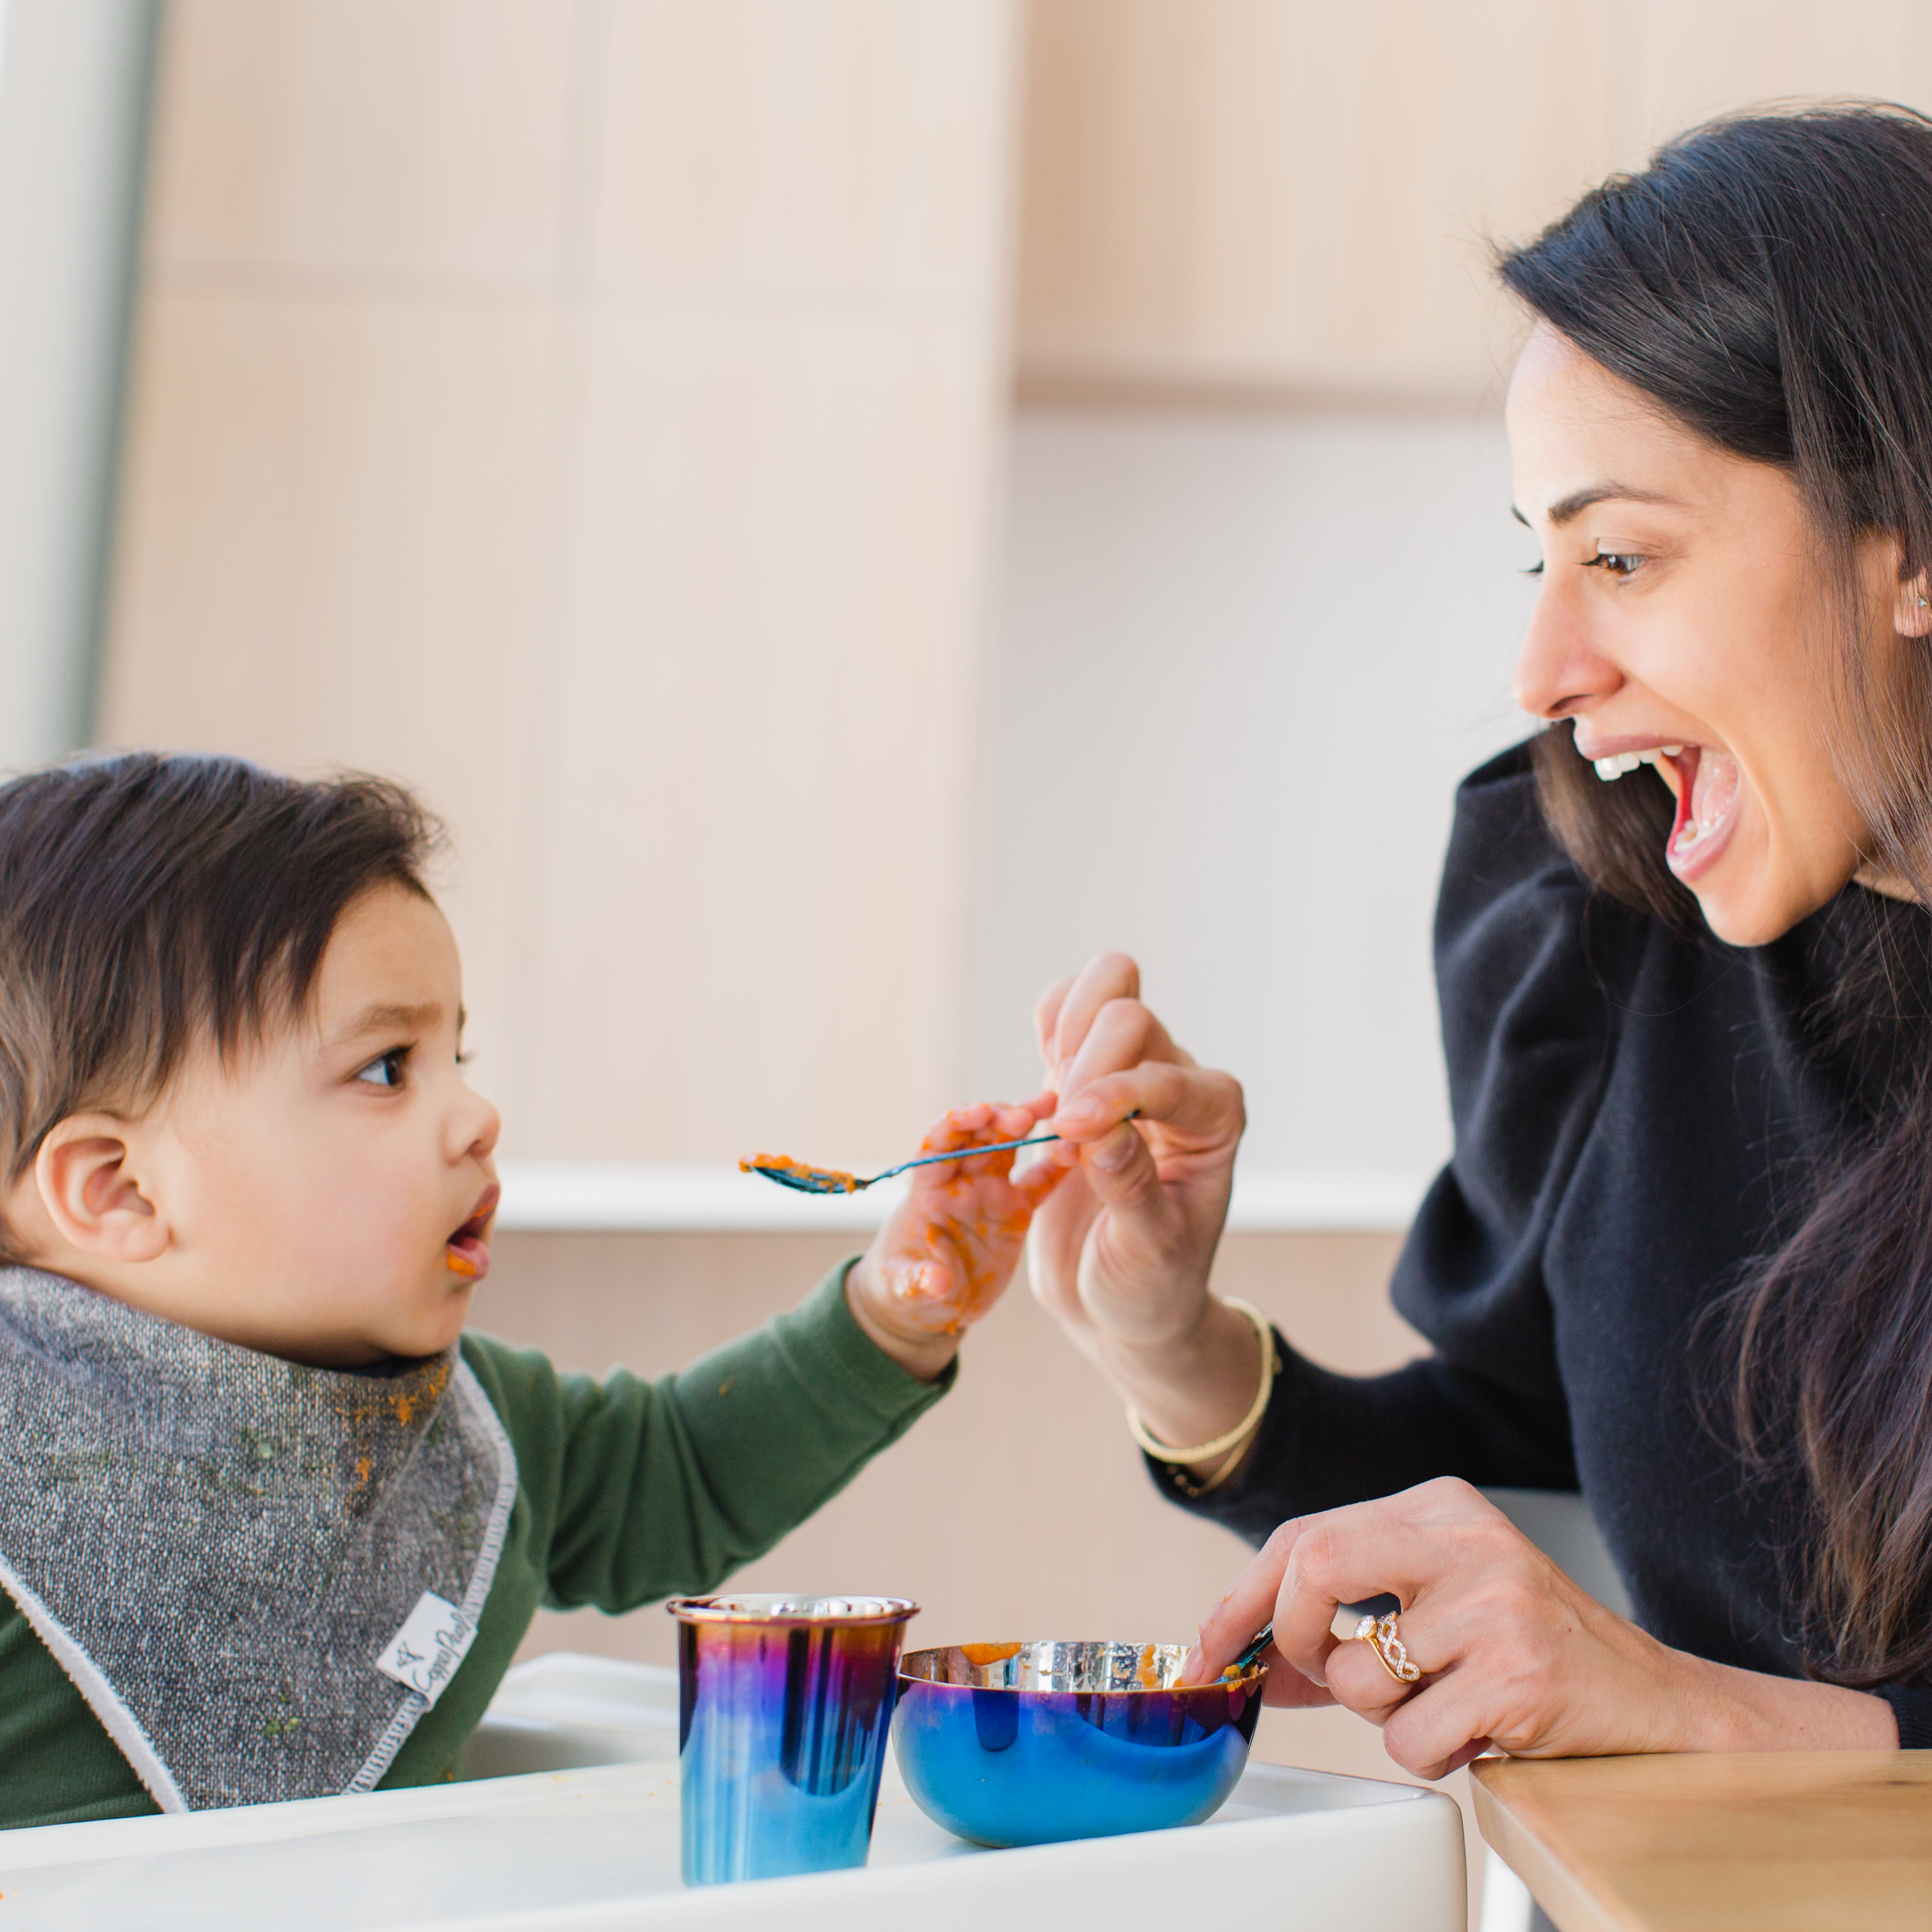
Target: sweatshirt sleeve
x,y
646,1489
1911,1706
1528,960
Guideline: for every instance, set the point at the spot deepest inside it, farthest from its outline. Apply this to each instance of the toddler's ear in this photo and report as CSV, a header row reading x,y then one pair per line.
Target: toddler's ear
x,y
91,1195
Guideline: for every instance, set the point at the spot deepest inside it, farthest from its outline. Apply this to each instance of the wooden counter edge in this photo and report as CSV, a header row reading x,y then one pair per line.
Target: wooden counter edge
x,y
1571,1905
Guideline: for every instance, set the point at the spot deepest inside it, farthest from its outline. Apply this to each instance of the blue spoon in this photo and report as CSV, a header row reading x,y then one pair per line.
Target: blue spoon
x,y
790,1173
1240,1666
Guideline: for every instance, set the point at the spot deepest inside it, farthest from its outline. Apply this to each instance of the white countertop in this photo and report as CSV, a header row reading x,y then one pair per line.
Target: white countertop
x,y
596,1850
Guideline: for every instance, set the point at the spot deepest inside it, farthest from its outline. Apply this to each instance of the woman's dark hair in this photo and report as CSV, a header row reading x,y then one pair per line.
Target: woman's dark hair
x,y
1767,283
148,903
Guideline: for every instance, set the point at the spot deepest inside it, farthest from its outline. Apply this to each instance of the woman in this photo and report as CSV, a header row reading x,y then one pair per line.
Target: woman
x,y
1682,1257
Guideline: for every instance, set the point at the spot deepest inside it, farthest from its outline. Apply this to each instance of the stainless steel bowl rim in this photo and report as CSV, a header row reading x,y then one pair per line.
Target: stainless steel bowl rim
x,y
1053,1649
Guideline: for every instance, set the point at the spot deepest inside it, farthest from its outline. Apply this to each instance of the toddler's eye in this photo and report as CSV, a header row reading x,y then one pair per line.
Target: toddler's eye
x,y
1618,562
386,1071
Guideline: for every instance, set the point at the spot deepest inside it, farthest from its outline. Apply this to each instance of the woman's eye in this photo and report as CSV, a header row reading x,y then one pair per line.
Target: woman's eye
x,y
387,1070
1533,569
1618,562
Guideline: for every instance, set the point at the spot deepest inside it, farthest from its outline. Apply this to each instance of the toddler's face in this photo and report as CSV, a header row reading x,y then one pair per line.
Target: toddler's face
x,y
327,1197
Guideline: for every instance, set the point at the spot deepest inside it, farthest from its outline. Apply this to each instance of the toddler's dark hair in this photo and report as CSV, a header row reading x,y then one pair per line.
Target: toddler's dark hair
x,y
151,902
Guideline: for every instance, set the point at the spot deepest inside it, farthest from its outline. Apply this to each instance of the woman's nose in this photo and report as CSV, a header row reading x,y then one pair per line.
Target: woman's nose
x,y
1560,667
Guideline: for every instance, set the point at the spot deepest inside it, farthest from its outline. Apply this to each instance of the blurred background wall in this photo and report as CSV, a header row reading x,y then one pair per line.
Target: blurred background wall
x,y
848,506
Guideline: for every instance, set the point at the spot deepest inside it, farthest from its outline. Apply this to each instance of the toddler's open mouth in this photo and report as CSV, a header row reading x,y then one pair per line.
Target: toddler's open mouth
x,y
467,1253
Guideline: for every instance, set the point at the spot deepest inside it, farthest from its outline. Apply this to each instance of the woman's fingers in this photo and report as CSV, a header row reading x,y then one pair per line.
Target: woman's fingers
x,y
1441,1729
1046,1019
1196,1103
1106,977
1345,1556
1123,1033
1355,1674
1239,1617
1287,1689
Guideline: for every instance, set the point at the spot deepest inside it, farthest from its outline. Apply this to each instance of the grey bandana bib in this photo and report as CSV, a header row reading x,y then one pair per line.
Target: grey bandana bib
x,y
241,1562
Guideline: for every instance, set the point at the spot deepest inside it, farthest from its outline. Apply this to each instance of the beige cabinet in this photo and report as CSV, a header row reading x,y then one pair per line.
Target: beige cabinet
x,y
1289,200
591,413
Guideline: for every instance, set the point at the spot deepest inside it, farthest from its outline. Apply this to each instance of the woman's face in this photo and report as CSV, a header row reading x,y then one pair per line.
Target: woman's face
x,y
1683,619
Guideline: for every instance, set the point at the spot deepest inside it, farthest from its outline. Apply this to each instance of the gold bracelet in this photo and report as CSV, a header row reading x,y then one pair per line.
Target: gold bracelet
x,y
1246,1427
1228,1465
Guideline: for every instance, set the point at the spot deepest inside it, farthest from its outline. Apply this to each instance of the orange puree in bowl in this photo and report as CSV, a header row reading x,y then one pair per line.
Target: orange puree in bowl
x,y
981,1654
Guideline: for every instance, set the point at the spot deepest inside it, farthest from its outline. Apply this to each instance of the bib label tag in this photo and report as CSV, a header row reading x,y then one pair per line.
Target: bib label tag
x,y
423,1655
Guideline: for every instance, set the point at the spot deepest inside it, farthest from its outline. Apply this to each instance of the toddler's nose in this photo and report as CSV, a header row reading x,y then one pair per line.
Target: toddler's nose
x,y
476,1125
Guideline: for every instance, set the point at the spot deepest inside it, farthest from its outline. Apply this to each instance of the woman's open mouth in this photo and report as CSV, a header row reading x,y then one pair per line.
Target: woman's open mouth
x,y
1708,786
467,1253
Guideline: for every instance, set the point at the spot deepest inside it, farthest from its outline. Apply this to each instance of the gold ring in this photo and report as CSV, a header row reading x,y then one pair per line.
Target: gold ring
x,y
1384,1639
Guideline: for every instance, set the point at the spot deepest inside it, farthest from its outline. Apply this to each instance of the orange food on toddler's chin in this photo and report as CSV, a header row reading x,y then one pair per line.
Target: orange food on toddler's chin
x,y
981,1654
832,1179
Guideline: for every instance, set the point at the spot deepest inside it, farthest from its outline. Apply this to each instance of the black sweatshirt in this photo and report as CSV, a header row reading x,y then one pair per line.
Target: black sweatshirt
x,y
1639,1112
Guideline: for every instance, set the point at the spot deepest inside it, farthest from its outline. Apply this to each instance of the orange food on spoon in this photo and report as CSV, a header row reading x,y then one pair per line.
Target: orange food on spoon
x,y
827,1179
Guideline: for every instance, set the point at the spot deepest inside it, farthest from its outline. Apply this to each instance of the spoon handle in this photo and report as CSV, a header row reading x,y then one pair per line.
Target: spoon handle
x,y
1262,1640
961,1153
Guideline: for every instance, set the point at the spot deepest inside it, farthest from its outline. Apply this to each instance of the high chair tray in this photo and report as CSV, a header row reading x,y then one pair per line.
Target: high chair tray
x,y
596,1849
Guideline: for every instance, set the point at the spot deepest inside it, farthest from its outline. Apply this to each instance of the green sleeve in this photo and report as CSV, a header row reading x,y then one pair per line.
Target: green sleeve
x,y
647,1489
627,1491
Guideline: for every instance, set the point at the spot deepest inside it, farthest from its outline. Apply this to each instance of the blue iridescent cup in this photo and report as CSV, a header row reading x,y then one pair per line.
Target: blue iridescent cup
x,y
784,1706
1030,1743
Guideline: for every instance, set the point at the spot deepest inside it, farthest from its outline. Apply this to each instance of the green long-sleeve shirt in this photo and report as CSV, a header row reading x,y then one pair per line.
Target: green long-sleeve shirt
x,y
627,1491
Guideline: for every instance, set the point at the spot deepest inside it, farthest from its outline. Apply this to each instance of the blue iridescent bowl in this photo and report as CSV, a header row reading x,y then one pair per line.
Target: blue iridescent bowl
x,y
1030,1744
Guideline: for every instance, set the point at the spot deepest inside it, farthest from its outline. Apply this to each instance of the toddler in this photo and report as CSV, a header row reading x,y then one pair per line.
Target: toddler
x,y
271,1524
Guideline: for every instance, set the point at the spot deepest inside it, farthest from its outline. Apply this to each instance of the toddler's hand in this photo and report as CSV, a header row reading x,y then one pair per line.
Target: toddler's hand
x,y
951,1246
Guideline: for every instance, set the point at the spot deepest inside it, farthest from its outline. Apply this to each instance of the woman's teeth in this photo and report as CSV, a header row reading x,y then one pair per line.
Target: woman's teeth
x,y
1615,767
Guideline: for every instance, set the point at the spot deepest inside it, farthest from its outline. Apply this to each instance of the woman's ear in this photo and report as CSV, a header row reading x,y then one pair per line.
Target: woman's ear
x,y
85,1172
1912,605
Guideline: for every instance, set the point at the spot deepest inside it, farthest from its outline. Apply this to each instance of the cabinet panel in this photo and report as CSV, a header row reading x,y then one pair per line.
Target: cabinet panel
x,y
1287,197
412,137
328,555
765,691
752,147
591,414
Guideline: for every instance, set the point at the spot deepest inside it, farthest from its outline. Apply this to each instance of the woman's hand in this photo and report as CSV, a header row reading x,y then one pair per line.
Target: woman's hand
x,y
1512,1652
1120,1255
949,1249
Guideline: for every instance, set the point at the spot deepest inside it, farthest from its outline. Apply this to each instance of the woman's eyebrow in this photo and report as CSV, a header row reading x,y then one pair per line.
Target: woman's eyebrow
x,y
1567,509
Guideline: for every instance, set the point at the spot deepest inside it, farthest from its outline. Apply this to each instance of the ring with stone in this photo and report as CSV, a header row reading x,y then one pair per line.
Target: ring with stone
x,y
1383,1635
